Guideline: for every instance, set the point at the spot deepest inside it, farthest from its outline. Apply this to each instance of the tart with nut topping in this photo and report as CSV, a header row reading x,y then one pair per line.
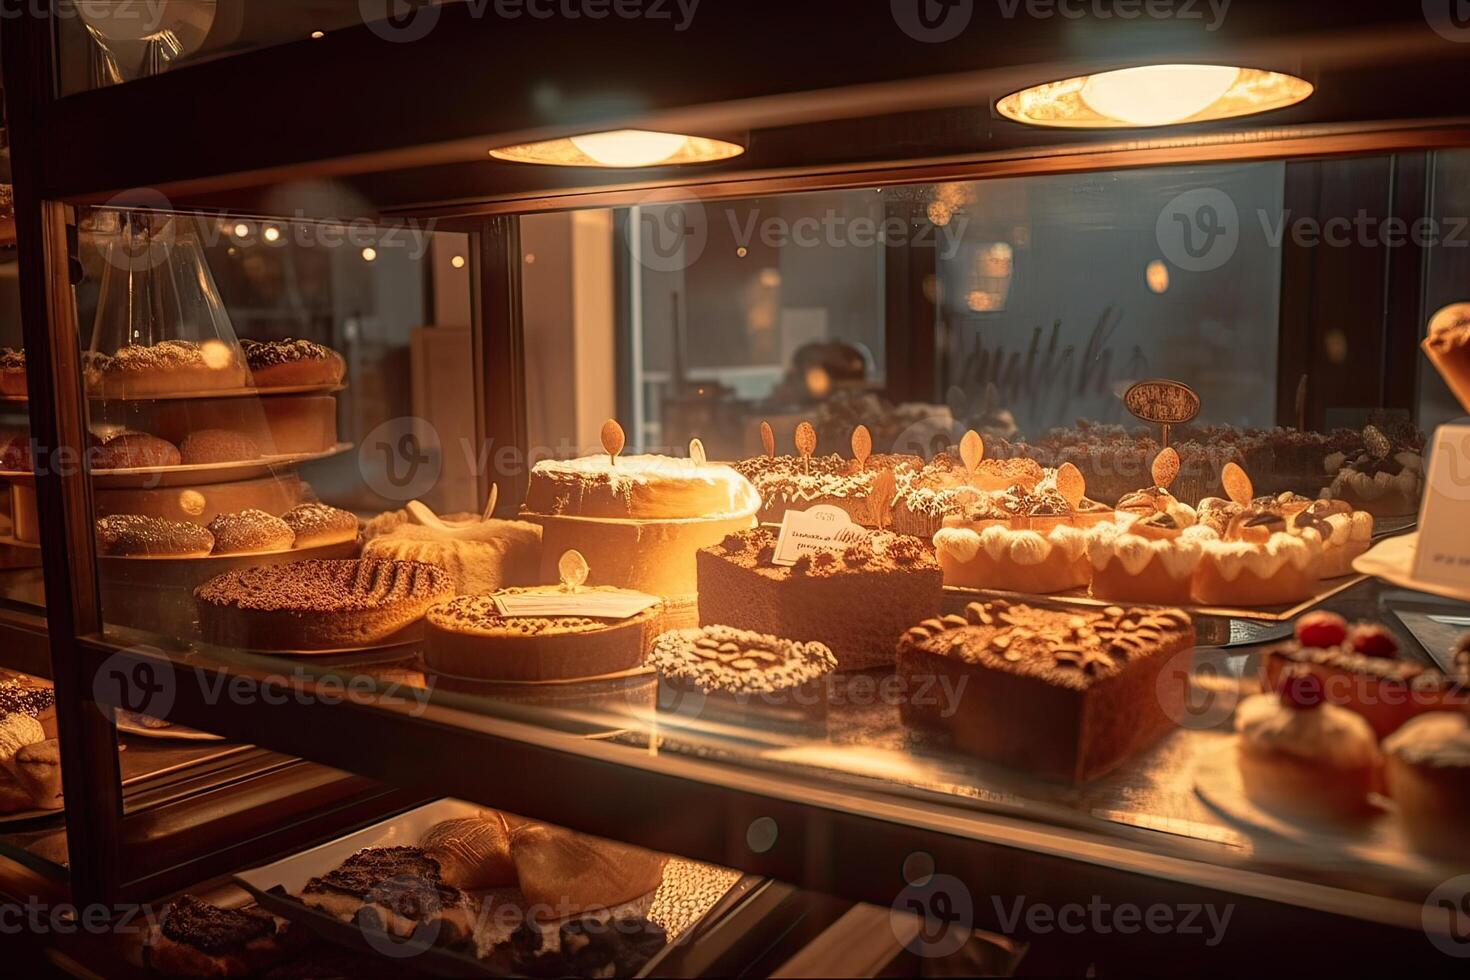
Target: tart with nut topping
x,y
743,675
1062,694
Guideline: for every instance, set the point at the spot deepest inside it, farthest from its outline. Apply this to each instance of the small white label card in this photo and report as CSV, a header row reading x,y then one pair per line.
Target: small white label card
x,y
1443,554
820,528
592,603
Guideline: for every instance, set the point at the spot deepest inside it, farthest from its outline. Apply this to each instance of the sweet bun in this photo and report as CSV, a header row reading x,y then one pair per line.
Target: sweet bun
x,y
1429,779
170,367
130,450
317,524
218,446
250,531
136,536
282,363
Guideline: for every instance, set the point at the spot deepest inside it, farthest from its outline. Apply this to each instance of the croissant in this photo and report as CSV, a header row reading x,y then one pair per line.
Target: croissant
x,y
473,852
566,873
16,732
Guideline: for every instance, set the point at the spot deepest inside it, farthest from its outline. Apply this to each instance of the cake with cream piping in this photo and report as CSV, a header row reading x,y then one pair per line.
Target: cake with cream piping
x,y
638,519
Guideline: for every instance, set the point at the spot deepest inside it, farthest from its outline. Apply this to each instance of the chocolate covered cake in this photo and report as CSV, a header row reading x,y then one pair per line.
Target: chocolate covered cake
x,y
857,601
1062,694
196,939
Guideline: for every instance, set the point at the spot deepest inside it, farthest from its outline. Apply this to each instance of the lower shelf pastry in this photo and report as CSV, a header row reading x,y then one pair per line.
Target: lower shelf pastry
x,y
857,602
1001,557
480,556
563,873
196,939
204,446
397,890
468,637
472,852
741,677
1063,695
133,450
1359,669
320,604
1303,757
1428,772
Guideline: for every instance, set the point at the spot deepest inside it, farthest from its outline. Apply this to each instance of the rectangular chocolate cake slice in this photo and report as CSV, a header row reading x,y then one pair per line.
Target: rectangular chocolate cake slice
x,y
858,602
1062,694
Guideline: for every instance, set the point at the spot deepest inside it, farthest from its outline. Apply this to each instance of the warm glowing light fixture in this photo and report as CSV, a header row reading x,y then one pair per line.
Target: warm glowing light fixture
x,y
622,148
1154,95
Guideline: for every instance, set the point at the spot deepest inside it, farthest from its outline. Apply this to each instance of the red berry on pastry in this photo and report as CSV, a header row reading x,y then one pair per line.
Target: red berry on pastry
x,y
1321,630
1373,640
1301,689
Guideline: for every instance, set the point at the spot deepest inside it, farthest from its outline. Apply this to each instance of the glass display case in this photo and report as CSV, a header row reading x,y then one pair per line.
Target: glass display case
x,y
967,516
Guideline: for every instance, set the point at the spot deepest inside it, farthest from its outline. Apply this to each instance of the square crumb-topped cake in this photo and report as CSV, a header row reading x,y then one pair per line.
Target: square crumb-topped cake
x,y
857,601
1062,694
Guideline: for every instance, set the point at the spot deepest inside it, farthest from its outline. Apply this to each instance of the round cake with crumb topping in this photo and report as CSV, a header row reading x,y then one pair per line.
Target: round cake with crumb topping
x,y
139,536
470,638
290,363
320,604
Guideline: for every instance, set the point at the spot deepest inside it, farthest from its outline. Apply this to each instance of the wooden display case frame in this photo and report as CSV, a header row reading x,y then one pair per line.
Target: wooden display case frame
x,y
294,112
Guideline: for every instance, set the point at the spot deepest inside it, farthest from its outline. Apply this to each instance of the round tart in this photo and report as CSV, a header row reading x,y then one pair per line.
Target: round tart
x,y
250,531
317,524
137,536
1152,560
469,638
739,662
1259,564
319,605
282,363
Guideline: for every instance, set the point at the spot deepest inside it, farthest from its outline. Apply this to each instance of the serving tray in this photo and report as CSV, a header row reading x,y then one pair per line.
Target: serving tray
x,y
691,895
190,474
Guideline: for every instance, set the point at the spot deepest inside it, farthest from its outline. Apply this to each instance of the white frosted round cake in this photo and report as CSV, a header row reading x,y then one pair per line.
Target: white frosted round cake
x,y
637,520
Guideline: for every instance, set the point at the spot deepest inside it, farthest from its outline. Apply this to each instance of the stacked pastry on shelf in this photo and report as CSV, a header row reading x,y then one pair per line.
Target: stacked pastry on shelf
x,y
30,755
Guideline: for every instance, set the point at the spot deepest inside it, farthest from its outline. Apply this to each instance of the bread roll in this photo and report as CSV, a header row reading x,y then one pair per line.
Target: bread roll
x,y
563,873
473,852
38,769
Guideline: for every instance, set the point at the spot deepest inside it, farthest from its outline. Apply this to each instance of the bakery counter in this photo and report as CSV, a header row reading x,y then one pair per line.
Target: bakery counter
x,y
874,786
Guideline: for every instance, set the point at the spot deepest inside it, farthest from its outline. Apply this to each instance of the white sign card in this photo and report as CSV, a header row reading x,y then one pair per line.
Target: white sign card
x,y
1443,554
820,528
592,603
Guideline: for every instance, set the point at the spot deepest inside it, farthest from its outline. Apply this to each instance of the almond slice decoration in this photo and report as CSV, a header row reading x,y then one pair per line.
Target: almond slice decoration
x,y
572,569
1072,485
972,451
1376,442
696,452
880,496
613,440
862,446
1165,469
768,440
1237,484
806,444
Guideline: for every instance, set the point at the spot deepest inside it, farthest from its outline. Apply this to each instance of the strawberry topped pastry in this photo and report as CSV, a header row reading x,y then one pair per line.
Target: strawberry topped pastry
x,y
1360,669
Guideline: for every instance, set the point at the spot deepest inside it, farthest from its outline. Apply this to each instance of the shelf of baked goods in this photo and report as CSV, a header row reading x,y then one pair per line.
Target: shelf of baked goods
x,y
639,616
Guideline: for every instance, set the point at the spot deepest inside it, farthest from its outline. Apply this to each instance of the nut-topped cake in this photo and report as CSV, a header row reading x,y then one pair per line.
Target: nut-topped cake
x,y
857,601
1063,694
744,676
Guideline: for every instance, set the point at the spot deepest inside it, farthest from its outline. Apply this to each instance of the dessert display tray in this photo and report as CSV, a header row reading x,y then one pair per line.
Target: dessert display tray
x,y
1377,840
1268,614
1393,561
691,896
191,474
36,815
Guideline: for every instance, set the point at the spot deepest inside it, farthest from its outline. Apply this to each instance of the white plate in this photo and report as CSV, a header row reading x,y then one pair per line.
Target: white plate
x,y
1393,561
1378,840
190,474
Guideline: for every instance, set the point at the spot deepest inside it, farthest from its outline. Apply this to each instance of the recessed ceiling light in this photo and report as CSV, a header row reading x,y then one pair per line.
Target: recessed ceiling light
x,y
369,254
621,148
1154,95
271,233
318,35
457,261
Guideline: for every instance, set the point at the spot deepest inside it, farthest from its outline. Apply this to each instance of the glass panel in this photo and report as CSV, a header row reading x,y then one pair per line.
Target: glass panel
x,y
20,553
119,41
